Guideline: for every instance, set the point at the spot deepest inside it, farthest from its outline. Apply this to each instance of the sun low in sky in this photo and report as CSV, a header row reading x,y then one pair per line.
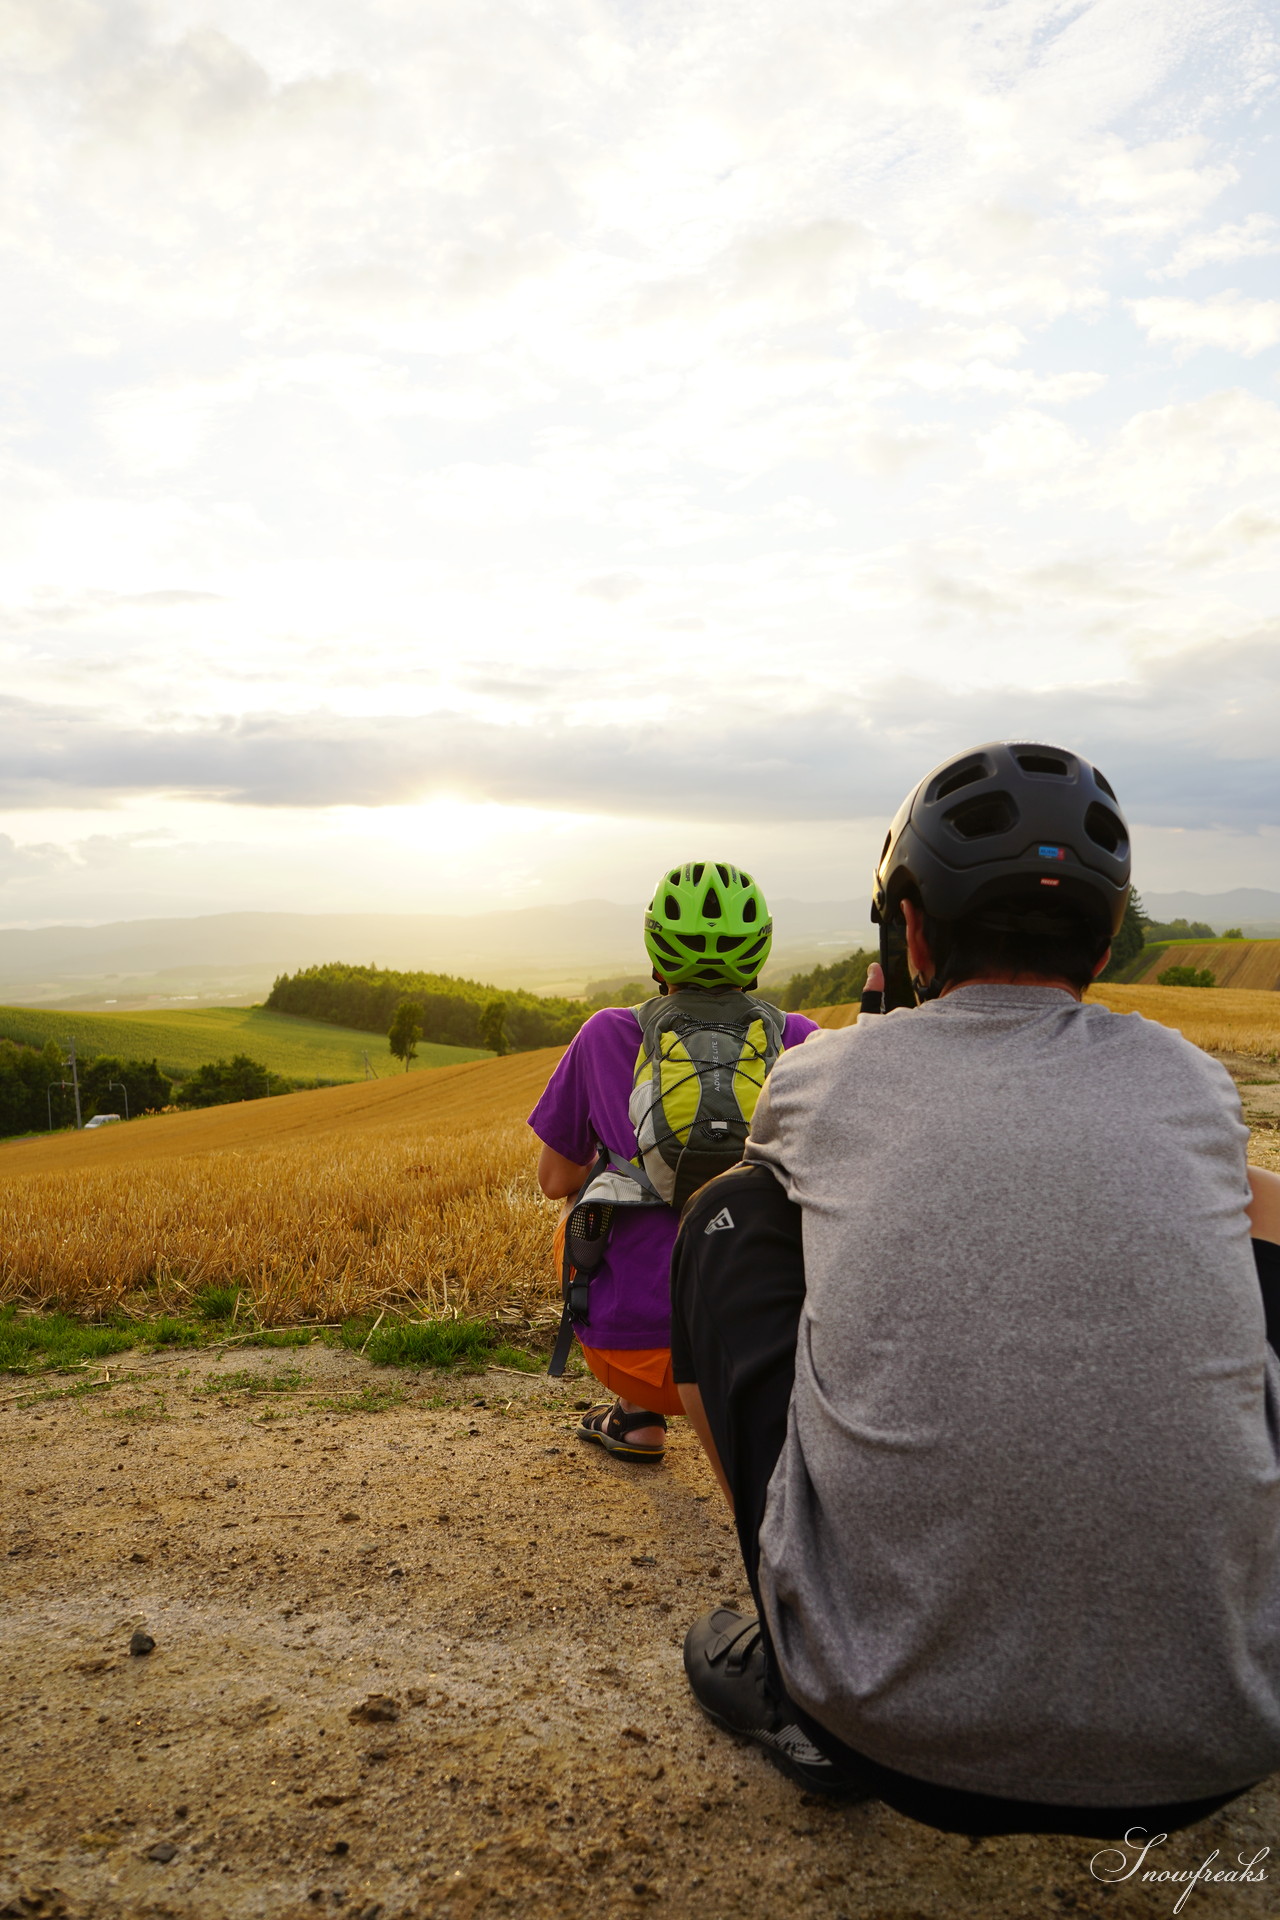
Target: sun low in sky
x,y
463,456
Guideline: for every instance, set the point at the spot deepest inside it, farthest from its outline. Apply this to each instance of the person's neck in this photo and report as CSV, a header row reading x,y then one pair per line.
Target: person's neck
x,y
1011,979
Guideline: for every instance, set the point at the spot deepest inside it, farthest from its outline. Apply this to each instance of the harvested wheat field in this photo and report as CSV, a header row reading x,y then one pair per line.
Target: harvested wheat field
x,y
1223,1020
416,1648
415,1193
1220,1019
1233,963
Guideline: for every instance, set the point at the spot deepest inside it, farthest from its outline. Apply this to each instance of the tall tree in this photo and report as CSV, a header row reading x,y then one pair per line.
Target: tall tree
x,y
405,1032
493,1031
1127,944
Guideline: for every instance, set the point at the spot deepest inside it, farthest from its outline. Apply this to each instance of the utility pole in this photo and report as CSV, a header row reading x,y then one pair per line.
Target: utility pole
x,y
369,1072
75,1078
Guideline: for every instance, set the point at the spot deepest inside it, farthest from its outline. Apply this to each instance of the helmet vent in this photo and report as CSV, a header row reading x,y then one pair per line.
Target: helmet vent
x,y
723,871
729,942
1043,763
748,912
1105,784
1105,828
671,907
962,777
983,817
711,907
695,942
696,872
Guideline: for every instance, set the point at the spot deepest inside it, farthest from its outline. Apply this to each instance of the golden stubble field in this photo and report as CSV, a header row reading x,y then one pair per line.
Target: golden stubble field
x,y
415,1193
1233,963
411,1194
1221,1019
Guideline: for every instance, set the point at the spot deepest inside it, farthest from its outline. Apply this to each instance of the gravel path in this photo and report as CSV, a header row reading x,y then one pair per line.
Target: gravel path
x,y
419,1659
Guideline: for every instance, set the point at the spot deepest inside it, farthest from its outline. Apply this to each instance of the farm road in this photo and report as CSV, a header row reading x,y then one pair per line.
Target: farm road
x,y
419,1661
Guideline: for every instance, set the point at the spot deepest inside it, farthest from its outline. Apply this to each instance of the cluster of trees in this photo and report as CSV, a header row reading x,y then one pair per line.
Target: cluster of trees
x,y
830,986
25,1074
451,1012
218,1082
1157,931
35,1087
1187,977
626,992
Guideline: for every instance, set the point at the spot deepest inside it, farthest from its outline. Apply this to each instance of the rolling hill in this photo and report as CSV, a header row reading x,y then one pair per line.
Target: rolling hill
x,y
411,1194
471,1093
300,1049
1248,964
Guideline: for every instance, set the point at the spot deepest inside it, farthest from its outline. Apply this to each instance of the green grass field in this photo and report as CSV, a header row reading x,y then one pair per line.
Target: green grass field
x,y
302,1049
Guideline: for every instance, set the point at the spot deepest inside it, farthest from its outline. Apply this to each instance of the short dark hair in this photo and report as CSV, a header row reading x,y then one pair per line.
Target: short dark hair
x,y
1008,937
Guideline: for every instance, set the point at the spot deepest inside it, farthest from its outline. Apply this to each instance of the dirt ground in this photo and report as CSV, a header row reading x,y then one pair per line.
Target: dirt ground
x,y
419,1660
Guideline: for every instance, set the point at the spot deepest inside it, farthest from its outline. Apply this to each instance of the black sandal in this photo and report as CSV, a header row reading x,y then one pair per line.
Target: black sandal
x,y
610,1428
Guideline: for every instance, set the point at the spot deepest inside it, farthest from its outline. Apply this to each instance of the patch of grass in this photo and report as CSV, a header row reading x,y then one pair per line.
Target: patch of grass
x,y
517,1358
33,1341
368,1400
154,1409
287,1381
216,1303
423,1343
168,1331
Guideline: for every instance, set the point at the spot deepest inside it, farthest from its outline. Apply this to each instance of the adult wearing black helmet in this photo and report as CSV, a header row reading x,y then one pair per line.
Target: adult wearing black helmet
x,y
1000,1432
1010,857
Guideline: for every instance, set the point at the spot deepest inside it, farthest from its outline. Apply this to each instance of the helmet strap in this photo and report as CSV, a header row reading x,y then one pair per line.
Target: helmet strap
x,y
899,987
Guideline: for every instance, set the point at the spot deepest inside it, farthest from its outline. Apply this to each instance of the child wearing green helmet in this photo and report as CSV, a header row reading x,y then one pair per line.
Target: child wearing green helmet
x,y
646,1105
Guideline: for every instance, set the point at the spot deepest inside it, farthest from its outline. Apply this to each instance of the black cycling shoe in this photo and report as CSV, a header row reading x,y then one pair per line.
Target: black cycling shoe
x,y
724,1660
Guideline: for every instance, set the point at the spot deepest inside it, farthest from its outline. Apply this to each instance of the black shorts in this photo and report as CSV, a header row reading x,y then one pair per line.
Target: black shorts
x,y
737,1288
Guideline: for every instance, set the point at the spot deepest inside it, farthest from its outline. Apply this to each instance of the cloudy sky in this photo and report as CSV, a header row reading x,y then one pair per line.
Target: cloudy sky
x,y
467,455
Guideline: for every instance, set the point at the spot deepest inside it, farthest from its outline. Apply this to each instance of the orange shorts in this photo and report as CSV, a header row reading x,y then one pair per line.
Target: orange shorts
x,y
641,1374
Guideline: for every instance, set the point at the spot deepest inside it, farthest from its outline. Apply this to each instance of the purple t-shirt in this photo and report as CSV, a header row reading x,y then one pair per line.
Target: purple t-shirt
x,y
586,1102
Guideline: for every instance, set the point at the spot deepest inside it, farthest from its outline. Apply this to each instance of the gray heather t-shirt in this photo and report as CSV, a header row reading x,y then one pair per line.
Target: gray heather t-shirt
x,y
1024,1534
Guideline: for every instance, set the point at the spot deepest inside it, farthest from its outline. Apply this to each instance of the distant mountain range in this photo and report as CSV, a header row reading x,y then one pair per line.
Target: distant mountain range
x,y
232,958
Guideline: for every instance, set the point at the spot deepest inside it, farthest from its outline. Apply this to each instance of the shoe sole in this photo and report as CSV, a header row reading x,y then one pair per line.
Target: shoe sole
x,y
620,1447
779,1759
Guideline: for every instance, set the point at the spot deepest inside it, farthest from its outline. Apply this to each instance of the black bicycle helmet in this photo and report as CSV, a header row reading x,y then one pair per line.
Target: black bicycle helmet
x,y
1019,829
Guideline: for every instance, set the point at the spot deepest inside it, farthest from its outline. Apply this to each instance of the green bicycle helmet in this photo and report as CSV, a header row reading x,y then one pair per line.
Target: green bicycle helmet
x,y
708,926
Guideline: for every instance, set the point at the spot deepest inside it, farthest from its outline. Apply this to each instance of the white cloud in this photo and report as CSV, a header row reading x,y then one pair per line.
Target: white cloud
x,y
537,374
1030,446
1248,239
1227,320
1149,191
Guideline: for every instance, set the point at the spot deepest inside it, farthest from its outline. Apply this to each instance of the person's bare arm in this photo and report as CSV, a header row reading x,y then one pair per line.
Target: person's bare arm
x,y
559,1177
696,1414
1264,1208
